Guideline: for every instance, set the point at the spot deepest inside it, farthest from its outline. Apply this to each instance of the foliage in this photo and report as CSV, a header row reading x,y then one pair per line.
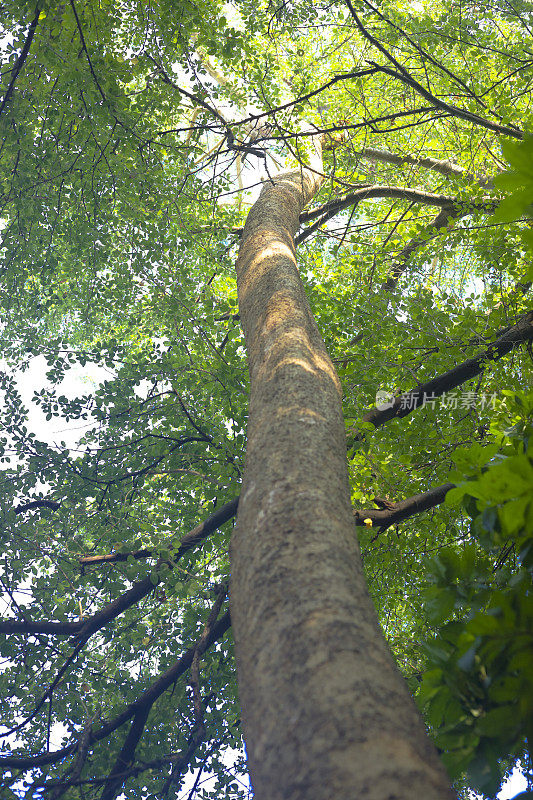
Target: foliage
x,y
519,182
477,689
127,131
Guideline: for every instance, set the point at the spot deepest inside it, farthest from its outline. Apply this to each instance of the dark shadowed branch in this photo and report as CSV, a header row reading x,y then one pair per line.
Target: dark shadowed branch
x,y
396,512
194,537
19,63
148,698
36,504
403,405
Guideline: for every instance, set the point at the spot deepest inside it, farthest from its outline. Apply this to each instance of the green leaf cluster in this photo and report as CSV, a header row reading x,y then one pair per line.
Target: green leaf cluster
x,y
477,688
517,182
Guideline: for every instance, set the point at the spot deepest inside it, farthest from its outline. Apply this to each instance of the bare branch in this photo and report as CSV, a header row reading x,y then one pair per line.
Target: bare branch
x,y
403,75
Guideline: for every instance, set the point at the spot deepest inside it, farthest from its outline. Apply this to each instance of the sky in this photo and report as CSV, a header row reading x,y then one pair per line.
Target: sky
x,y
517,783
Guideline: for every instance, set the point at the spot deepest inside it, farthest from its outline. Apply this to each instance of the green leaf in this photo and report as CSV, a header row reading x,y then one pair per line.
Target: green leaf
x,y
498,721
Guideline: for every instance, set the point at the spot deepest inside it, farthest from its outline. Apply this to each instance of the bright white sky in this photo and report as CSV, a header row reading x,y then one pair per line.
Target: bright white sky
x,y
78,381
517,783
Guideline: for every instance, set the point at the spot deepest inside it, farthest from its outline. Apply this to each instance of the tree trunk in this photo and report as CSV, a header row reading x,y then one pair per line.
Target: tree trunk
x,y
326,714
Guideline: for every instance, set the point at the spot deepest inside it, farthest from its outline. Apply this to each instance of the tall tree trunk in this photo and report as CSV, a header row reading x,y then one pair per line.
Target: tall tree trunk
x,y
326,714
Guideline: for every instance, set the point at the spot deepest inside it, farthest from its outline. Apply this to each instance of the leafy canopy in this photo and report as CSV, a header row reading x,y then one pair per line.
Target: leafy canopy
x,y
133,140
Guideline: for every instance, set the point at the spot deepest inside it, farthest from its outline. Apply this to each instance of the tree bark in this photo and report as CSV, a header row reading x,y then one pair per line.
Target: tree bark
x,y
326,714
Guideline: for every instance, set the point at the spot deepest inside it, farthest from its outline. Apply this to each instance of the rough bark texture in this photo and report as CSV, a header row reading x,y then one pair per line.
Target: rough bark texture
x,y
326,714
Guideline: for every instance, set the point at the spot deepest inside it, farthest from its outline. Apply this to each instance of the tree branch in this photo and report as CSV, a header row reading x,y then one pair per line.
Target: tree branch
x,y
125,758
50,690
441,221
403,75
85,50
30,627
446,168
425,54
403,405
304,97
396,512
84,629
19,63
230,136
148,697
194,537
71,777
36,504
333,207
